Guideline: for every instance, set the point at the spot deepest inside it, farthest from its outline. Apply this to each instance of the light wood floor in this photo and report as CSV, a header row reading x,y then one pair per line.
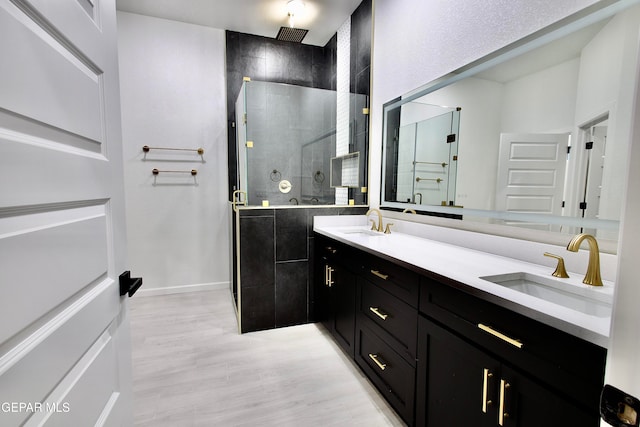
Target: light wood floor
x,y
192,368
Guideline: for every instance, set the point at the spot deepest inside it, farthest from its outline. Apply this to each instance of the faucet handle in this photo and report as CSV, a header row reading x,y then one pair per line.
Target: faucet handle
x,y
560,270
374,227
387,229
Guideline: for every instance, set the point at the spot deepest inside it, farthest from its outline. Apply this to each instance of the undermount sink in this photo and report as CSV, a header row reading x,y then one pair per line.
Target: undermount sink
x,y
363,231
585,300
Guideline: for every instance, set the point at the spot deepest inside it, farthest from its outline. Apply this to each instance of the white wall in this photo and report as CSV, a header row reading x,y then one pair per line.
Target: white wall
x,y
416,42
172,82
607,73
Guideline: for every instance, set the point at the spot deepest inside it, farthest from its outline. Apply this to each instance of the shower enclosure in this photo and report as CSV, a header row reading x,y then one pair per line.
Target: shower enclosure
x,y
301,152
286,139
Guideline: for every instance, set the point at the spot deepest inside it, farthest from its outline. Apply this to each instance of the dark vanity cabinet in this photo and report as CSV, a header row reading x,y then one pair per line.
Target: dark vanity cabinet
x,y
504,368
335,291
444,357
459,384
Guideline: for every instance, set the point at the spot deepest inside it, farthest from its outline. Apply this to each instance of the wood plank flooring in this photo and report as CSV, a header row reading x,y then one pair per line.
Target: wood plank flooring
x,y
192,368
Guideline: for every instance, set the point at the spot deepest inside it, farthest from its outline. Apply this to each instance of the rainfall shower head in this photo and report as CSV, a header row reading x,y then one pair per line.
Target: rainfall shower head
x,y
294,35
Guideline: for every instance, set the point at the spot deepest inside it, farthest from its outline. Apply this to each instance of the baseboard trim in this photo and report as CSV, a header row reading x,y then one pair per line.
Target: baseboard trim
x,y
147,292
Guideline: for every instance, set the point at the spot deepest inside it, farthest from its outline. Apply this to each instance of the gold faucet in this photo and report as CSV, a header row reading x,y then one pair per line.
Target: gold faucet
x,y
593,270
375,227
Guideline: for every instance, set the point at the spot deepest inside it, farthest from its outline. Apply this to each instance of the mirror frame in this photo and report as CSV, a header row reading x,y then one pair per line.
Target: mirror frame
x,y
566,26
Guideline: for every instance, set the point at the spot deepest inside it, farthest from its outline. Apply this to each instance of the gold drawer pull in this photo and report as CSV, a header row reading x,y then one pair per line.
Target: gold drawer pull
x,y
485,390
374,357
513,342
376,311
380,275
503,393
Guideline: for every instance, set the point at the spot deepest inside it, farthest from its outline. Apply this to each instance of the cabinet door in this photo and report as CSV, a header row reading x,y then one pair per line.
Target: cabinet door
x,y
343,302
457,384
525,403
322,311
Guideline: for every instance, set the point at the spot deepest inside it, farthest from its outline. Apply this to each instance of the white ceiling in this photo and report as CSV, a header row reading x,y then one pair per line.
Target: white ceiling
x,y
260,17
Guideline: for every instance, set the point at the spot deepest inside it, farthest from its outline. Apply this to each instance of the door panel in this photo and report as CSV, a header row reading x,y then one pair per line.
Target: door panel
x,y
43,57
528,404
68,258
531,174
344,302
456,382
42,359
91,392
64,337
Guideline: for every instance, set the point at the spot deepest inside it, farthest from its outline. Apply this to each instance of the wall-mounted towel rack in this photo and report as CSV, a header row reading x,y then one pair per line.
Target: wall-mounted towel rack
x,y
199,150
193,172
438,180
443,164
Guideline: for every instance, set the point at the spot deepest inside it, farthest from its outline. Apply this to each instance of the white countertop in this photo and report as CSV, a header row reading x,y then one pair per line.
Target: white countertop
x,y
466,266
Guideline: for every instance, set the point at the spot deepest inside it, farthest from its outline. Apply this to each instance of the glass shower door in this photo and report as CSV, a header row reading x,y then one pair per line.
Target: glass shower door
x,y
241,135
435,160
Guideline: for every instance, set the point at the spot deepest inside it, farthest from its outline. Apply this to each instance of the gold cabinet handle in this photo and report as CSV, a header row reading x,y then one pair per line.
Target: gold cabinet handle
x,y
503,391
328,279
374,357
503,337
330,271
485,390
376,311
330,249
380,275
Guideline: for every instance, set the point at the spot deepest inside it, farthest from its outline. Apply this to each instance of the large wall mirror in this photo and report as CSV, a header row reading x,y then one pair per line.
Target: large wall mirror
x,y
535,135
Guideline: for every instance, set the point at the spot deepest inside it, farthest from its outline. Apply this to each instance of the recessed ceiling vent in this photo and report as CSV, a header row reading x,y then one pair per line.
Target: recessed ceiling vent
x,y
294,35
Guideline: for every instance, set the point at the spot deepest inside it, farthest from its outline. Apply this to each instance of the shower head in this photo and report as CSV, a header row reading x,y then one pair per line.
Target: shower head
x,y
294,35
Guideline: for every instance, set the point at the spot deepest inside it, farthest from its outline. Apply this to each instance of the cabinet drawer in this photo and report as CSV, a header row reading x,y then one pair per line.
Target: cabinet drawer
x,y
329,249
567,363
388,371
392,278
397,319
335,252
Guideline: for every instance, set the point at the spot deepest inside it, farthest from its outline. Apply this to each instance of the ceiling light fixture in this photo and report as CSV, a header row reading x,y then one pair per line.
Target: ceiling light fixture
x,y
294,7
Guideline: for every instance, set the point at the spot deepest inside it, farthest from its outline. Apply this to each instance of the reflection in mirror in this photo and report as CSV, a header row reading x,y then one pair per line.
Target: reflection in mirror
x,y
427,151
543,139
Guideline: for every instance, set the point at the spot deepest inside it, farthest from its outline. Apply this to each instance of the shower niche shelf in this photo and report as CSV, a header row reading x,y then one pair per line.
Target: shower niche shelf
x,y
345,170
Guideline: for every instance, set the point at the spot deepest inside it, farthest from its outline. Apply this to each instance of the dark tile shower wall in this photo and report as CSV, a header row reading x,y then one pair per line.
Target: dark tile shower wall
x,y
276,265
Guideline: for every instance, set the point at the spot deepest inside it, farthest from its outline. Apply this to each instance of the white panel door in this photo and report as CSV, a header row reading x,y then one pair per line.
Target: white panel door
x,y
65,357
531,172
